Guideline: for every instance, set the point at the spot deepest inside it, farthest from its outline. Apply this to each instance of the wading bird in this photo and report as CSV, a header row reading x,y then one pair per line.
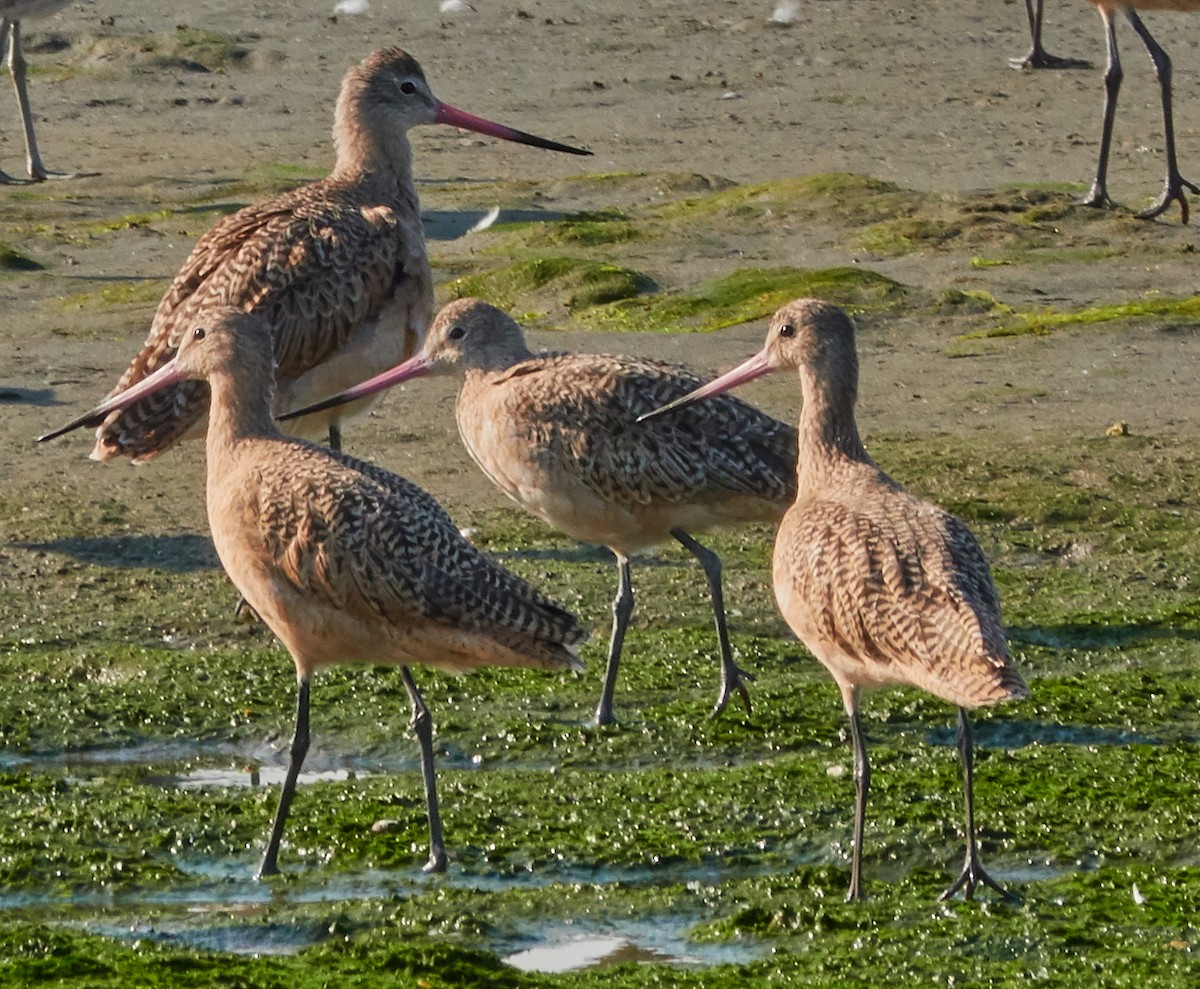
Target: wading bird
x,y
337,268
554,433
344,561
880,585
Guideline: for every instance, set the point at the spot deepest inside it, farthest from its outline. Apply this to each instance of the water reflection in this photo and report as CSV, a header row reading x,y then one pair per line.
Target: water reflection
x,y
655,940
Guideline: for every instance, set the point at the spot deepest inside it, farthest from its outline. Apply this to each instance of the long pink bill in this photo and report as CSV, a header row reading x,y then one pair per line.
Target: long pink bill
x,y
446,114
166,375
748,370
414,367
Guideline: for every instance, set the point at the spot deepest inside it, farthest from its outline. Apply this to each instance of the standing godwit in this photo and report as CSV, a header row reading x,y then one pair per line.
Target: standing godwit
x,y
881,586
1037,56
1175,184
337,267
552,432
344,561
12,13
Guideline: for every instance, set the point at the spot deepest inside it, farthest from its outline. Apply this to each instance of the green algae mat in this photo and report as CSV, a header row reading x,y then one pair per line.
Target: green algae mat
x,y
143,734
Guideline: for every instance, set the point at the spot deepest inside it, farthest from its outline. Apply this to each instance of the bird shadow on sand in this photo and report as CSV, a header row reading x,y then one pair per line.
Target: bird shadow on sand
x,y
1092,635
188,553
14,395
578,553
1016,733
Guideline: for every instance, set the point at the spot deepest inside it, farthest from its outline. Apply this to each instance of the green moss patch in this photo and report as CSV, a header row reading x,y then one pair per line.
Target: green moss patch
x,y
602,296
544,282
1185,310
114,296
744,295
856,197
590,229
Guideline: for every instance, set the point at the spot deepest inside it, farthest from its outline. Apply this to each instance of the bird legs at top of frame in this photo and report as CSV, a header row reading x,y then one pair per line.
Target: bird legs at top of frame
x,y
1174,184
10,43
1037,57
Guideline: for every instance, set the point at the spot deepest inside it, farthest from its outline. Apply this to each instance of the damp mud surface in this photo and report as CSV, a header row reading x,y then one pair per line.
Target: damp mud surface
x,y
1029,364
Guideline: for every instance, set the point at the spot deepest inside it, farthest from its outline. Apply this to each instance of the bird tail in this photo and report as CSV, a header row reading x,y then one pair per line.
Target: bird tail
x,y
550,638
1005,684
153,425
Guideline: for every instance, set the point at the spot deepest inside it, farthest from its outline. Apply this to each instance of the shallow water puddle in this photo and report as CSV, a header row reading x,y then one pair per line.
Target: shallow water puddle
x,y
582,952
209,764
244,775
315,883
661,940
147,753
235,939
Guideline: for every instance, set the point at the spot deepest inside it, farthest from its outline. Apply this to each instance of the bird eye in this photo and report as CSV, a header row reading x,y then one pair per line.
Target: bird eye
x,y
457,333
198,333
407,88
787,330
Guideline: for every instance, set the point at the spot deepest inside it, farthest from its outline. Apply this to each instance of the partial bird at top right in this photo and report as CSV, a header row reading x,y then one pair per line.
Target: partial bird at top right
x,y
1175,184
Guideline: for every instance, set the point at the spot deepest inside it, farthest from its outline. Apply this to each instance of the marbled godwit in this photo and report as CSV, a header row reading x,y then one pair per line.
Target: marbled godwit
x,y
1037,56
1175,184
12,13
552,431
880,585
337,267
344,561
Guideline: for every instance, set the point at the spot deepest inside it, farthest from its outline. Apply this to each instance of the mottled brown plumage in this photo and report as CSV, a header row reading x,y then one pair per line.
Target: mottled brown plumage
x,y
337,268
556,433
344,561
882,586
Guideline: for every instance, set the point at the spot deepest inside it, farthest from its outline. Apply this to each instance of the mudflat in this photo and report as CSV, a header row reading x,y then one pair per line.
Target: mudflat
x,y
1027,362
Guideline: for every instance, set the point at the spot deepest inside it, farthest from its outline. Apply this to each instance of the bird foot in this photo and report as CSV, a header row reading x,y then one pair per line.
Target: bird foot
x,y
603,715
734,678
973,875
43,175
1098,198
1038,59
437,861
1173,193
